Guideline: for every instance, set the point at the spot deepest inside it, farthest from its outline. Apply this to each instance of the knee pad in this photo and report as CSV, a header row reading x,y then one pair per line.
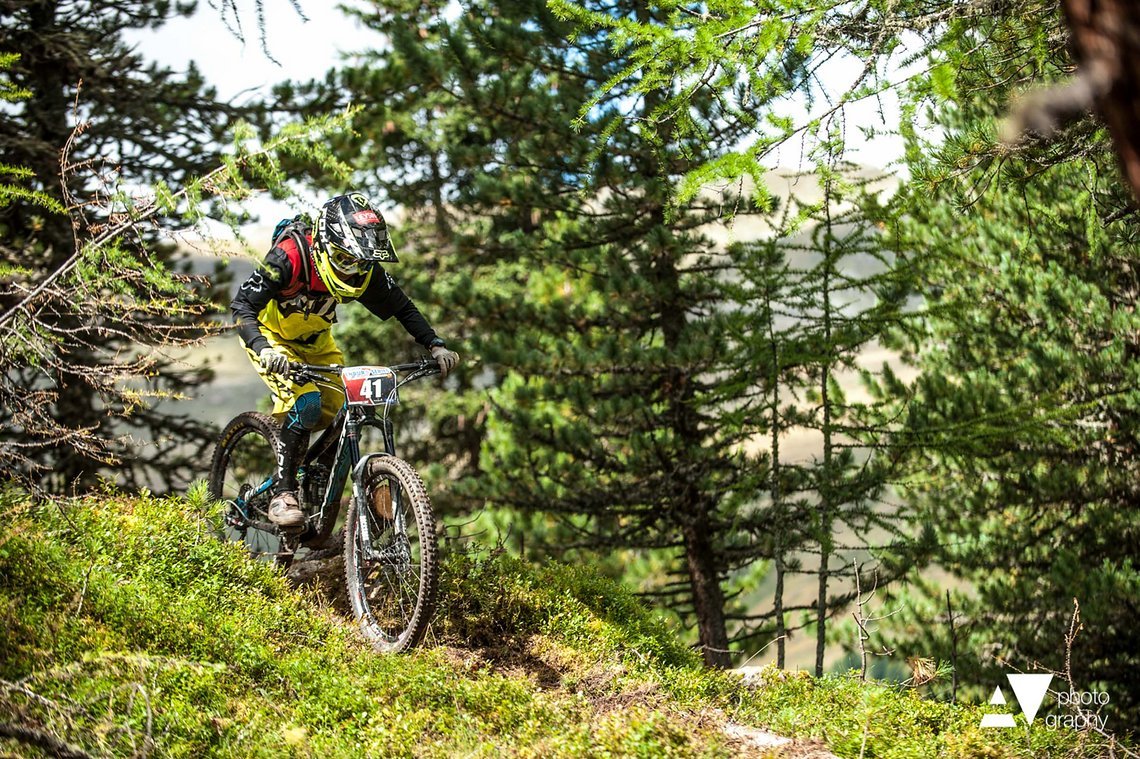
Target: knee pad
x,y
305,413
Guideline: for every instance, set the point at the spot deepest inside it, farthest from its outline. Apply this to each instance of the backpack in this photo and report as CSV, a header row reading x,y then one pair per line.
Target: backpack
x,y
298,231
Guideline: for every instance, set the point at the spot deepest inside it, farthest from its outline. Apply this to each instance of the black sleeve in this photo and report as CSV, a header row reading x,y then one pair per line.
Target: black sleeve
x,y
385,299
262,286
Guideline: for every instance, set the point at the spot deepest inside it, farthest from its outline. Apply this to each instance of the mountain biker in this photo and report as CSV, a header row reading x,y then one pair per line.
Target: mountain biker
x,y
285,309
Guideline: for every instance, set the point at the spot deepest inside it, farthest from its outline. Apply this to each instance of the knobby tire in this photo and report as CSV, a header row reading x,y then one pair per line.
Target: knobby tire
x,y
372,585
225,476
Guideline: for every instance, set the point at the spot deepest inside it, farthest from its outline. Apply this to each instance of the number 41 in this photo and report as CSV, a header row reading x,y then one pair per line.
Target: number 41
x,y
371,388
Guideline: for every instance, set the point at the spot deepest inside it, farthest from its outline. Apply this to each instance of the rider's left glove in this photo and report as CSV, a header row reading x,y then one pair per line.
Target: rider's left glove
x,y
273,361
446,359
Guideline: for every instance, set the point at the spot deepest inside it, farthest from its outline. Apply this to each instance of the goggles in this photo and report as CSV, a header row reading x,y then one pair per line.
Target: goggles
x,y
345,262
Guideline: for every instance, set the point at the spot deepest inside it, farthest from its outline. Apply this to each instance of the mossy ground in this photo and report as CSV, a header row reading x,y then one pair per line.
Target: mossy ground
x,y
127,629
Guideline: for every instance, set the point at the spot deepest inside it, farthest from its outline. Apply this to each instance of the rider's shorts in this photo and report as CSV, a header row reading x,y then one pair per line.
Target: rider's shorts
x,y
321,349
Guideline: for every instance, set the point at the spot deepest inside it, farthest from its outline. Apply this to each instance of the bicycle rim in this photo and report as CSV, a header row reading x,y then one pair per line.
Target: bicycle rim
x,y
392,580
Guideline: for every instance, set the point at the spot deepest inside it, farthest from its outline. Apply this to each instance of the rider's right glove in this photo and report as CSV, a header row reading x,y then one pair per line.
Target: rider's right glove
x,y
273,361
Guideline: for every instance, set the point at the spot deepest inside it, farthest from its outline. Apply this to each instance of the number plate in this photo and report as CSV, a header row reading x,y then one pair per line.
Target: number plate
x,y
369,385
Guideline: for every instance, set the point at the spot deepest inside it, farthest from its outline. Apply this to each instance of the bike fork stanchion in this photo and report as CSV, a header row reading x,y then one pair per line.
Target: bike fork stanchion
x,y
363,507
365,530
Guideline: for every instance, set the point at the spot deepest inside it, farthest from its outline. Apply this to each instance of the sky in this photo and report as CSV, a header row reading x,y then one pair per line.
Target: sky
x,y
241,71
304,49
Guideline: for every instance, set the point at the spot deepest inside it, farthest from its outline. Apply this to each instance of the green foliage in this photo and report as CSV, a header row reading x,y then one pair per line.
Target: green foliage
x,y
94,303
1022,429
1024,422
129,124
612,361
763,66
126,617
10,193
492,599
107,602
574,316
873,719
566,255
815,297
9,92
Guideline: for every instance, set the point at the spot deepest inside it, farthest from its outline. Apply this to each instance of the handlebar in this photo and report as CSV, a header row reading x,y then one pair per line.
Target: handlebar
x,y
417,369
425,363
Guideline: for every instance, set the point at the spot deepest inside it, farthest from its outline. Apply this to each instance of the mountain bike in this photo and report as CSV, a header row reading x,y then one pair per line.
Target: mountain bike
x,y
389,531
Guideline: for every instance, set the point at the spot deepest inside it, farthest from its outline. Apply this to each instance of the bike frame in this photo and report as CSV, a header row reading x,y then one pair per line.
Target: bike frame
x,y
347,460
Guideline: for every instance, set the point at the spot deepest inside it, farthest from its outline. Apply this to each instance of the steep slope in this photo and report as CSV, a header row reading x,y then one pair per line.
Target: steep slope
x,y
127,629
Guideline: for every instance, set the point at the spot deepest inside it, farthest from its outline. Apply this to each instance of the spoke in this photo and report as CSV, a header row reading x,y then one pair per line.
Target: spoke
x,y
375,587
378,608
247,468
393,595
414,569
415,589
403,613
394,591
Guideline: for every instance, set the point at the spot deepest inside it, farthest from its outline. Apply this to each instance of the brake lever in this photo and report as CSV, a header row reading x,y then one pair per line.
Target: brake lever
x,y
302,376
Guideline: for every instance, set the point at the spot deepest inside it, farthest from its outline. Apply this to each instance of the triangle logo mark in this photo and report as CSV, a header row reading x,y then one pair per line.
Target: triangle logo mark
x,y
1030,692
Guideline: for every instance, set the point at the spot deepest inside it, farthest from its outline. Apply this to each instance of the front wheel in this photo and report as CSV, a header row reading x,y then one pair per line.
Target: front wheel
x,y
391,574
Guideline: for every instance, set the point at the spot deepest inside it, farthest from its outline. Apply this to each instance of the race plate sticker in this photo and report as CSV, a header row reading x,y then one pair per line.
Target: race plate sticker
x,y
369,385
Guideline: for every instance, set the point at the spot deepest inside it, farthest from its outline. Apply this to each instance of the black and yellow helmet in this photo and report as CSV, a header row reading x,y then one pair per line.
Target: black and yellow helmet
x,y
351,237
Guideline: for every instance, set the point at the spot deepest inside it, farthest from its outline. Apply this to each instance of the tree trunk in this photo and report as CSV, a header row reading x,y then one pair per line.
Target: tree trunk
x,y
825,491
692,511
777,507
708,599
1105,40
778,608
694,508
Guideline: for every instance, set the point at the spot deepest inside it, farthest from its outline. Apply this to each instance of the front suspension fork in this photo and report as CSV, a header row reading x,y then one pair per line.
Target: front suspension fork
x,y
364,508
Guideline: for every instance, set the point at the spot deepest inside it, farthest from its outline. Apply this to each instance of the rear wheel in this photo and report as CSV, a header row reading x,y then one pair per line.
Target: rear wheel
x,y
392,576
241,476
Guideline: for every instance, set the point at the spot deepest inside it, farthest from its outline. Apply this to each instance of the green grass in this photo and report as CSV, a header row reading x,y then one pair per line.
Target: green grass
x,y
126,628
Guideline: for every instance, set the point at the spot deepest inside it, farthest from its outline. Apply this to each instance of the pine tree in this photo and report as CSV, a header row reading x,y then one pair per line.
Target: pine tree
x,y
142,124
624,379
1026,429
16,177
481,161
1025,413
819,292
582,299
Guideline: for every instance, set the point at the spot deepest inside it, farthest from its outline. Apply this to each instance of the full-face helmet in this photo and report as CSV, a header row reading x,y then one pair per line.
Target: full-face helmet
x,y
351,237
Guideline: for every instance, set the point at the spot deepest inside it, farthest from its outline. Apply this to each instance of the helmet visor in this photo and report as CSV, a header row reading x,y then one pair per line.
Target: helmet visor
x,y
373,240
370,233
